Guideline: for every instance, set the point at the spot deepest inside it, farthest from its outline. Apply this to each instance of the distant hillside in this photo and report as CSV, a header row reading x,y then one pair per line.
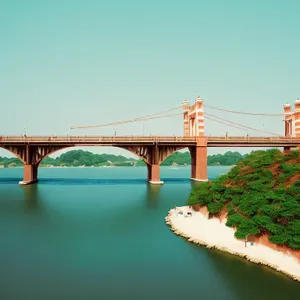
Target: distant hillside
x,y
261,195
184,158
179,158
227,159
76,158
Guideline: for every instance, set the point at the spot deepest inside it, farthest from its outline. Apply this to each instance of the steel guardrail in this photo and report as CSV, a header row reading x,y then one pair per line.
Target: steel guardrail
x,y
146,139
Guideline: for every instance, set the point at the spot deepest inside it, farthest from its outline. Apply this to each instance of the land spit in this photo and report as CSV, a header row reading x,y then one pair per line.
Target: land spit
x,y
213,233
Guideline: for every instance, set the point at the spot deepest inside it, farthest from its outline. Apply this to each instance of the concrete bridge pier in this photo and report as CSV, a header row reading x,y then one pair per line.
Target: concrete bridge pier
x,y
153,156
199,160
154,174
30,174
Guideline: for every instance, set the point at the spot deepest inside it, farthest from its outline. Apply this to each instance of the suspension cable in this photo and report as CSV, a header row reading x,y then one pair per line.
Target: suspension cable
x,y
225,123
145,118
244,126
243,113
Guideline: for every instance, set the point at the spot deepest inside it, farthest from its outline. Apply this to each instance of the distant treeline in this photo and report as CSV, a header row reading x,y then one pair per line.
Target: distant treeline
x,y
77,158
184,158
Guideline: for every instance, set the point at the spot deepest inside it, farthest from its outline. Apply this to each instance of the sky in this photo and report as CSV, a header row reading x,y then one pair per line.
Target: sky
x,y
85,62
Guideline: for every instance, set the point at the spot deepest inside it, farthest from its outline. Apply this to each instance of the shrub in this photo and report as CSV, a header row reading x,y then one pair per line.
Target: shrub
x,y
234,220
278,239
275,228
230,209
215,207
262,221
246,227
200,194
294,189
294,242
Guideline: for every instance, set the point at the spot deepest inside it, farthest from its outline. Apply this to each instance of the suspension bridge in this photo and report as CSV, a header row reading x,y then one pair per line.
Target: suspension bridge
x,y
31,150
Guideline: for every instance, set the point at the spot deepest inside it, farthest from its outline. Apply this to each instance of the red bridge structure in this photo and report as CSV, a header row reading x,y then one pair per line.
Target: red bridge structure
x,y
31,150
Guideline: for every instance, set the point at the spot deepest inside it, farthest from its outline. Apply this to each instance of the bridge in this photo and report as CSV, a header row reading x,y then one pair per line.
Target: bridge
x,y
31,150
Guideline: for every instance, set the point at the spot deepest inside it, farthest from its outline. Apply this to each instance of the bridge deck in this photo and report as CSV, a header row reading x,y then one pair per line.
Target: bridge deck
x,y
212,141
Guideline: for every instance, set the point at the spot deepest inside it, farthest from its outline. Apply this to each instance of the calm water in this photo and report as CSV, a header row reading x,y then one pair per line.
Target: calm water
x,y
100,234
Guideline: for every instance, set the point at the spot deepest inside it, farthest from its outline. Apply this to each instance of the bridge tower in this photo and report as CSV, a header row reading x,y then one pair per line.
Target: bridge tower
x,y
193,120
186,121
288,122
199,116
297,118
292,120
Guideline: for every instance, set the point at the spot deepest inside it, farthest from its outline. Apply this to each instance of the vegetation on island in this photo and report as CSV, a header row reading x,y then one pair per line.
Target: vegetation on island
x,y
261,195
76,158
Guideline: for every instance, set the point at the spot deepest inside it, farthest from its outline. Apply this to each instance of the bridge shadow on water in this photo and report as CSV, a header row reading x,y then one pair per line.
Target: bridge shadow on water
x,y
104,181
97,181
10,180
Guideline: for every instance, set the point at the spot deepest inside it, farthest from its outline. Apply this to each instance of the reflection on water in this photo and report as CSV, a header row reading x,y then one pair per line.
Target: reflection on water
x,y
31,196
152,195
107,181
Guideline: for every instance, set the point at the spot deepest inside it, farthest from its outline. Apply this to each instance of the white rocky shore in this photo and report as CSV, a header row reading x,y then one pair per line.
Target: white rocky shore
x,y
213,233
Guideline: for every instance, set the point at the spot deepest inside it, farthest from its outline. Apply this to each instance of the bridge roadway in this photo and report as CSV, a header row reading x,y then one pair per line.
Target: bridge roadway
x,y
210,141
31,150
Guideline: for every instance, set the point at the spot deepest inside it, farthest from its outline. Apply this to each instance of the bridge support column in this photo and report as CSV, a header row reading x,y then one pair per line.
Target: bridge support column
x,y
154,174
31,157
153,155
199,160
30,174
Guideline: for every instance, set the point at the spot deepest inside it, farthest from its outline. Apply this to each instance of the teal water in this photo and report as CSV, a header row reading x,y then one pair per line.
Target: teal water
x,y
96,233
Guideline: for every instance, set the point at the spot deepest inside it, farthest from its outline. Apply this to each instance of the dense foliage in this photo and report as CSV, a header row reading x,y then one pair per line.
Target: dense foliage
x,y
261,195
78,158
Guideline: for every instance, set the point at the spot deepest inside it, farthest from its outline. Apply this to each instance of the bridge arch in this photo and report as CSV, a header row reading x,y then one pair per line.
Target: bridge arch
x,y
74,146
51,152
13,151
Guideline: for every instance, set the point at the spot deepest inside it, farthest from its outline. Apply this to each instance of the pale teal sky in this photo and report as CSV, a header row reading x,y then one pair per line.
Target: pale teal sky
x,y
71,62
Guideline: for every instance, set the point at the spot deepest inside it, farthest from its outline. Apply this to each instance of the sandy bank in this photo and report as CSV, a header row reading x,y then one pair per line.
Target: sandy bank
x,y
213,233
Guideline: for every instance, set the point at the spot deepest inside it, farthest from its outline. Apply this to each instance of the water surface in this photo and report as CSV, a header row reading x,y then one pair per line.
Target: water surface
x,y
99,233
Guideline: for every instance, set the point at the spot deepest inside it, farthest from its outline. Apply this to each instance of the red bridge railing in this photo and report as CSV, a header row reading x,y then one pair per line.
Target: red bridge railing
x,y
96,139
147,139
